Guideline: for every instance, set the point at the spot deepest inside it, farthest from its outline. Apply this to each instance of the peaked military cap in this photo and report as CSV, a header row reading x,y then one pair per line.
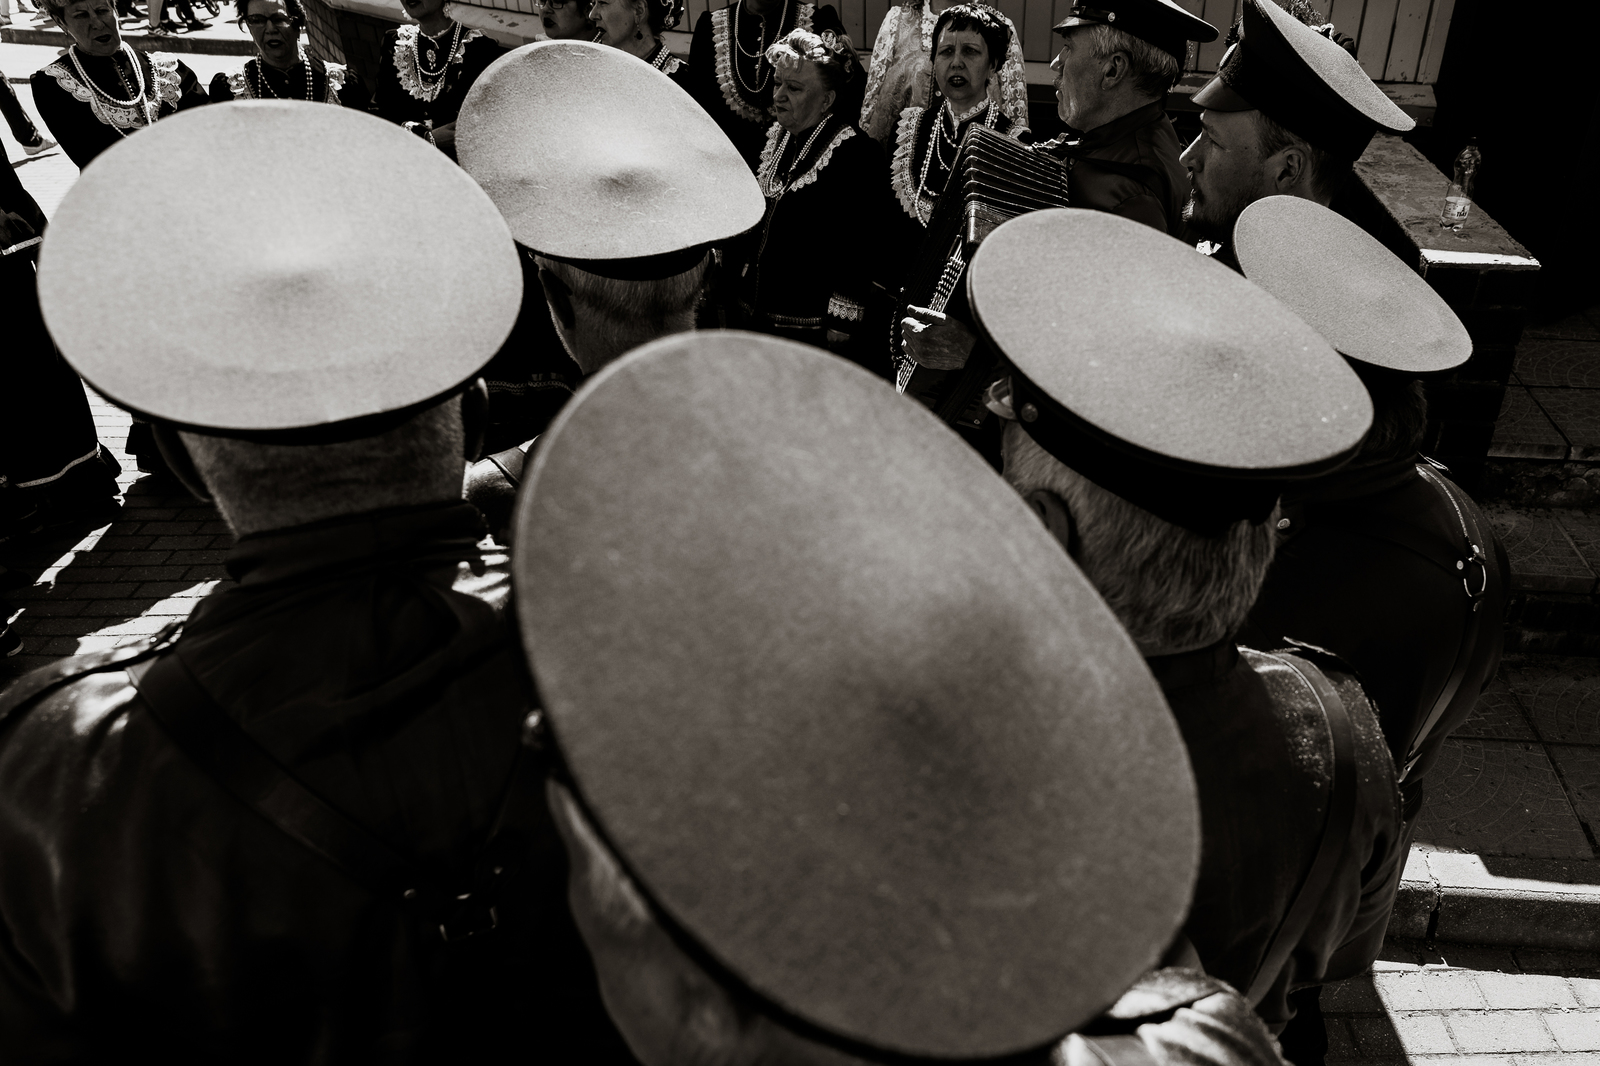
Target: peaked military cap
x,y
860,730
277,300
1158,22
596,157
1161,375
1304,81
1347,286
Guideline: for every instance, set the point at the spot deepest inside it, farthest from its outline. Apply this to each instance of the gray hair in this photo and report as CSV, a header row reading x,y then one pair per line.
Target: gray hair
x,y
1154,70
1168,586
260,486
630,313
56,9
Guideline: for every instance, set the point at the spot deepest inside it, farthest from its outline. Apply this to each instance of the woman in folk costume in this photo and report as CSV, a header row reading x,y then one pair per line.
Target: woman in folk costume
x,y
100,90
730,71
902,74
636,26
806,272
425,71
970,41
282,70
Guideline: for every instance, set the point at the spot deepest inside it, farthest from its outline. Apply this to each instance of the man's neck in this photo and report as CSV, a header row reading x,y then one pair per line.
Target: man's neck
x,y
1114,109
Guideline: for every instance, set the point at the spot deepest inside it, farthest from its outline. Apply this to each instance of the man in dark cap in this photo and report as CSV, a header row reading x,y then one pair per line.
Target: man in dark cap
x,y
1154,447
1385,562
882,780
1118,60
1287,114
286,834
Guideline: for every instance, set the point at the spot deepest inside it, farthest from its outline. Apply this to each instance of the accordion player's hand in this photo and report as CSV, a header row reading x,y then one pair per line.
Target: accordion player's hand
x,y
935,340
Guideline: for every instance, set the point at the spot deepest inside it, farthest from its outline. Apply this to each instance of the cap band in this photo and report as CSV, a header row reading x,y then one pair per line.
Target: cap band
x,y
640,268
1299,101
1207,504
1154,24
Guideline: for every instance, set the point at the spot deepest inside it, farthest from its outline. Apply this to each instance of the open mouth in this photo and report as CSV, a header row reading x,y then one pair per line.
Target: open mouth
x,y
104,38
549,23
956,81
273,42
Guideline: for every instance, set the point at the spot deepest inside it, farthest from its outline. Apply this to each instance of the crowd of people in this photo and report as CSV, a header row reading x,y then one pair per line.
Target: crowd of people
x,y
619,664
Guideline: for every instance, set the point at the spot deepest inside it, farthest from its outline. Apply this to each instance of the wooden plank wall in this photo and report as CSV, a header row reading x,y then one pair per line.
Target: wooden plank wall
x,y
1396,40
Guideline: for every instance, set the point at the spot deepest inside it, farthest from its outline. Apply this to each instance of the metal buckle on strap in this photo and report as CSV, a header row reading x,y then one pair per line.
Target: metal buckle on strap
x,y
1481,561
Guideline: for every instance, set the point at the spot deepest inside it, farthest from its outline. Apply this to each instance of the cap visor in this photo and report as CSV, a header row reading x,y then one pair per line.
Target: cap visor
x,y
1068,23
1215,95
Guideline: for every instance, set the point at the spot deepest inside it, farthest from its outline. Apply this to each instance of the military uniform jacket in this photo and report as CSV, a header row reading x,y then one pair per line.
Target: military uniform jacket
x,y
1262,757
1367,567
1128,167
148,914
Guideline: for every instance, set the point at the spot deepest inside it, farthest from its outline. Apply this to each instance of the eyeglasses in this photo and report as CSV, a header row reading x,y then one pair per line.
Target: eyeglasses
x,y
282,22
561,5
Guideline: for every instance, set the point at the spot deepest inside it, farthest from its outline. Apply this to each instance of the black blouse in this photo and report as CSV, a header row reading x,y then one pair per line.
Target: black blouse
x,y
261,81
406,94
729,74
81,118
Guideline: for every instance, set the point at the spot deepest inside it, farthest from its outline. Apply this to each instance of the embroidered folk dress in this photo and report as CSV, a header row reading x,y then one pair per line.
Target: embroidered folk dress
x,y
901,73
728,71
308,79
406,93
924,152
670,65
807,270
84,122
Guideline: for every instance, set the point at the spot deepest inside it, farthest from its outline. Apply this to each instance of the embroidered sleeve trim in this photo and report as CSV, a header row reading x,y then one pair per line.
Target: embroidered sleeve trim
x,y
901,178
845,309
722,44
167,82
126,118
882,45
767,167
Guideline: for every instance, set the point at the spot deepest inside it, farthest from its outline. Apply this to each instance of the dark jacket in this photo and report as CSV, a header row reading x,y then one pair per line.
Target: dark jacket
x,y
734,88
1366,567
400,96
260,81
148,914
1261,752
1128,167
83,123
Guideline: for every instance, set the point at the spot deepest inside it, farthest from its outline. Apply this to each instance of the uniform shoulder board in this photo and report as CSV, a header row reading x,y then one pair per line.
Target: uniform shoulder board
x,y
46,679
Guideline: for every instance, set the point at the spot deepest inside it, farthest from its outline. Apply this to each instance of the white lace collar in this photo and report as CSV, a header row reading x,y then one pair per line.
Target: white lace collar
x,y
165,87
405,61
723,46
772,154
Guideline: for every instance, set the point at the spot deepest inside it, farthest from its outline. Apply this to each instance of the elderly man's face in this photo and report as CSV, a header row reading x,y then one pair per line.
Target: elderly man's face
x,y
1078,80
92,25
1226,172
566,20
276,36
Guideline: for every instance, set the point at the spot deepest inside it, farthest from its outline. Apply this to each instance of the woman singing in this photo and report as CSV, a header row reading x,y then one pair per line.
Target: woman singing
x,y
636,26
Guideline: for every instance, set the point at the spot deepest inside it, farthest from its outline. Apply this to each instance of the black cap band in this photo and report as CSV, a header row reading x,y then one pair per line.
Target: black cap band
x,y
1298,101
640,268
1199,501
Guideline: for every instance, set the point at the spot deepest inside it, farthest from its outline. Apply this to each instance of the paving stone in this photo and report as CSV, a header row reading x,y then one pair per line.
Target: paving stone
x,y
1428,990
1354,996
1494,797
1572,327
1558,1058
1497,715
1422,1034
1543,559
1523,430
1580,769
1576,413
1526,991
1465,959
1500,1031
1462,1060
1561,696
1569,363
1377,1036
1586,990
1561,963
1341,1045
1575,1030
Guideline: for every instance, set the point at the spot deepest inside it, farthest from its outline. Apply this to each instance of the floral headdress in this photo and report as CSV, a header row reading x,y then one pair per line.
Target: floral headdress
x,y
826,49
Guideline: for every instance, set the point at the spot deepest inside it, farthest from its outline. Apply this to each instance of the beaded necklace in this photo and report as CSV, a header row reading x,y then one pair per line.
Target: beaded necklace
x,y
778,183
436,76
663,54
139,99
759,54
940,138
265,91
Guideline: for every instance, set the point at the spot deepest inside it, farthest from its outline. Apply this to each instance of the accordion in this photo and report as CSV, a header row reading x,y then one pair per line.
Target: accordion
x,y
994,179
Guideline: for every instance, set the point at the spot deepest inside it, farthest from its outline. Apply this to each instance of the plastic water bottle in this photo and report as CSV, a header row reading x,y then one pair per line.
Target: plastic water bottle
x,y
1458,198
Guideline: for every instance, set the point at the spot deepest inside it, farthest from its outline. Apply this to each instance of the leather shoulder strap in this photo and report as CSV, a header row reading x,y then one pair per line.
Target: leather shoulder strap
x,y
37,684
1335,832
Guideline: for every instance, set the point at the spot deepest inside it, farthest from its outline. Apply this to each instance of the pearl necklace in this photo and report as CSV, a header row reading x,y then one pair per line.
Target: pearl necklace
x,y
953,140
264,90
662,55
416,54
783,185
140,99
761,50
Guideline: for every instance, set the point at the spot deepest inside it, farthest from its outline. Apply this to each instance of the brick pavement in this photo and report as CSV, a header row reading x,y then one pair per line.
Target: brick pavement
x,y
1453,1005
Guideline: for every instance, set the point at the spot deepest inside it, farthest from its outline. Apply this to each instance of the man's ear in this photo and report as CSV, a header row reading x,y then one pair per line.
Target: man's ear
x,y
1115,71
179,461
833,98
1290,170
474,419
559,297
1057,518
